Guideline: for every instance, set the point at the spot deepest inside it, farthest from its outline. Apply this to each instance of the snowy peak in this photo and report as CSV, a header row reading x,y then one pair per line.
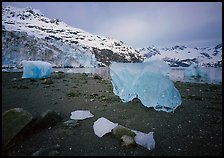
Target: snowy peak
x,y
48,31
184,56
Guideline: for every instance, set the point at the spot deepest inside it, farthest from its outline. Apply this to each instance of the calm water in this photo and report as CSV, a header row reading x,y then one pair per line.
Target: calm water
x,y
176,74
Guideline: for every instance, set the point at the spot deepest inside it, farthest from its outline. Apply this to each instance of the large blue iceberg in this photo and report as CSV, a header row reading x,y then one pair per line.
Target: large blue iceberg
x,y
36,69
147,81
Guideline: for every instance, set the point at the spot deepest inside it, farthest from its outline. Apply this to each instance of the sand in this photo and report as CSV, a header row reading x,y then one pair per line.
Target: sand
x,y
193,129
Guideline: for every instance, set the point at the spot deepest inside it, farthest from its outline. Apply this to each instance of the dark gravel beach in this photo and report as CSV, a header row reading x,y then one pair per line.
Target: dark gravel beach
x,y
193,129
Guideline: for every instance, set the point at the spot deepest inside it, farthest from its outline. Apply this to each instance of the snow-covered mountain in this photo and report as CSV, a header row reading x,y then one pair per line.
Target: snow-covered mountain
x,y
185,56
29,35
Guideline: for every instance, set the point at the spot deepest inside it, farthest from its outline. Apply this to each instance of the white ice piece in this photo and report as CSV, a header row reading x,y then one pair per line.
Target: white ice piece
x,y
145,140
102,126
36,69
147,81
81,114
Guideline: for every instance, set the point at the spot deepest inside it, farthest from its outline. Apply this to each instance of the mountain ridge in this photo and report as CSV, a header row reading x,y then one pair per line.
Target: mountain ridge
x,y
184,56
28,23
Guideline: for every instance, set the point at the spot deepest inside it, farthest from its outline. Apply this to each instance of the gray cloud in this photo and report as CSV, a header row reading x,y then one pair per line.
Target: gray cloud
x,y
140,24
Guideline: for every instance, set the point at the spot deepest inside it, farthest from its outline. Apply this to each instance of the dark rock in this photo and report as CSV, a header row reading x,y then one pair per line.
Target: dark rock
x,y
119,131
97,77
48,119
50,151
125,135
13,121
74,94
47,81
127,141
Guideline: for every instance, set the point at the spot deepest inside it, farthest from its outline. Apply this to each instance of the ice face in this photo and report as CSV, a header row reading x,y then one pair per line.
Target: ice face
x,y
102,126
147,81
36,69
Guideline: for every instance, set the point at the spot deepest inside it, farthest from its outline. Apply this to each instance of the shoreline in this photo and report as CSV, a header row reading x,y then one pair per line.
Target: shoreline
x,y
192,129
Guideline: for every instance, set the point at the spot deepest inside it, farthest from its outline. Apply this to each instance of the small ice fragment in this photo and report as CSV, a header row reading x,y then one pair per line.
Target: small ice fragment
x,y
80,114
145,140
103,126
70,71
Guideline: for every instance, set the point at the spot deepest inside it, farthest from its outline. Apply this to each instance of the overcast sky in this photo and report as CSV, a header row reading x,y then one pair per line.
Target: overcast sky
x,y
140,24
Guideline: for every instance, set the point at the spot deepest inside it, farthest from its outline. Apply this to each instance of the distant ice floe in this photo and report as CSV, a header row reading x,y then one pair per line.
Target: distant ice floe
x,y
194,71
36,69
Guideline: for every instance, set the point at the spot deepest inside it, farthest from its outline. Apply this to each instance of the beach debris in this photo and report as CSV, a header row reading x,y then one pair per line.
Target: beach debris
x,y
92,100
47,81
81,114
74,94
72,123
49,151
13,121
103,126
36,69
147,81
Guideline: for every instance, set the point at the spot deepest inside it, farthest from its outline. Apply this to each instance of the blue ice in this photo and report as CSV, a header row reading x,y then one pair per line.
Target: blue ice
x,y
147,81
36,69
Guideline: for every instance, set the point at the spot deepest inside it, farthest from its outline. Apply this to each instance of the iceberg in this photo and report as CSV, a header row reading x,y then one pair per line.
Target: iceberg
x,y
147,81
81,114
36,69
194,71
103,126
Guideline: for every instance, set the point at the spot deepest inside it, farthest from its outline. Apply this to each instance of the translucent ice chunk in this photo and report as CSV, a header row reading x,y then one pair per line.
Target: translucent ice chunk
x,y
80,114
103,126
147,81
36,69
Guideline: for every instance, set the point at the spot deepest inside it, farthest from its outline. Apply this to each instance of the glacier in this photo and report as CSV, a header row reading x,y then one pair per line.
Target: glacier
x,y
36,69
147,81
